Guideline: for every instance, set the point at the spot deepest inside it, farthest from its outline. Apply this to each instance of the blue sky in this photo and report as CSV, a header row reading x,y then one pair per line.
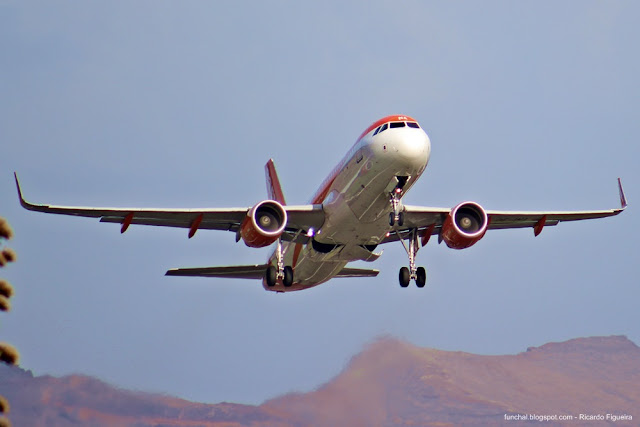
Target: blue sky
x,y
529,106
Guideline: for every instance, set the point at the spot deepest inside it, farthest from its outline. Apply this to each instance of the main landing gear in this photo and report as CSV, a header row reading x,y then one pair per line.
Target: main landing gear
x,y
419,274
396,217
281,272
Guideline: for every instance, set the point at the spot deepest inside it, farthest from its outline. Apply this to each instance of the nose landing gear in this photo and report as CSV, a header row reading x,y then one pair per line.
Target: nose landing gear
x,y
397,216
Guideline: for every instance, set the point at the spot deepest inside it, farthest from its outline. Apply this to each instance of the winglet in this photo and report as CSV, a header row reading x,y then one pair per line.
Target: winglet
x,y
23,202
623,200
274,190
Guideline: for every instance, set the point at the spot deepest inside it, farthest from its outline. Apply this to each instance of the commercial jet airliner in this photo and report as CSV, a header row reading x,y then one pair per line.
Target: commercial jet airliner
x,y
357,208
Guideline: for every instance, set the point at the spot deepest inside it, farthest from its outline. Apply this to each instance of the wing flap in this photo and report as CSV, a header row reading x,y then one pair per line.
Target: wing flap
x,y
186,222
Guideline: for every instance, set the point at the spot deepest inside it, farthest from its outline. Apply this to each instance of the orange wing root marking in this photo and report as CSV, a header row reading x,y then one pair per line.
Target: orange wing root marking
x,y
426,235
194,225
537,229
126,223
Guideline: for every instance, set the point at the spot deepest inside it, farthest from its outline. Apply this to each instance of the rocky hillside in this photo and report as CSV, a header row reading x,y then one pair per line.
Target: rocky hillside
x,y
391,383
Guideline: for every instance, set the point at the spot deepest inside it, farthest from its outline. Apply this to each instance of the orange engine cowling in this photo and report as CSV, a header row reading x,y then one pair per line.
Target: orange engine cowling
x,y
264,223
464,226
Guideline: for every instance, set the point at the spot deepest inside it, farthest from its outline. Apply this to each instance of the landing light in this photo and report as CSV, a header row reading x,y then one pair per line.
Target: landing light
x,y
310,232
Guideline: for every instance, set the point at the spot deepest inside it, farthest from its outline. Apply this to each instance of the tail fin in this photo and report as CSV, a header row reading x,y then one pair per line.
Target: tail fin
x,y
274,190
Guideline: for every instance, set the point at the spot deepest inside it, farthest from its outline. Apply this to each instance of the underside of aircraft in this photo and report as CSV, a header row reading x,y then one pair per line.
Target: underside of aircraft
x,y
357,208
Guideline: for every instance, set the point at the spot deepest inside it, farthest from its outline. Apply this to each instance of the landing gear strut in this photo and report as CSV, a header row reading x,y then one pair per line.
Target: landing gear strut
x,y
419,274
397,216
279,271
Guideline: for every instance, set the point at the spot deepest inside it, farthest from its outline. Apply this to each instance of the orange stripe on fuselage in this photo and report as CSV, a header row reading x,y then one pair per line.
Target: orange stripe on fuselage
x,y
395,118
326,185
322,191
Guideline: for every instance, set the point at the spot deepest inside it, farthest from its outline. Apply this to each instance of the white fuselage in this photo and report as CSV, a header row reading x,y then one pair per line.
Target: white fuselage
x,y
356,201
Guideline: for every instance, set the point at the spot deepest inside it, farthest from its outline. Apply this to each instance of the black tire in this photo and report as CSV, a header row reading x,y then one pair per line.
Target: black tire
x,y
271,276
401,219
392,219
421,277
288,277
404,277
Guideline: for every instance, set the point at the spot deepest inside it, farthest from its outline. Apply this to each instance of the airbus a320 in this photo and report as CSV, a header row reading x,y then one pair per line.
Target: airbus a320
x,y
358,207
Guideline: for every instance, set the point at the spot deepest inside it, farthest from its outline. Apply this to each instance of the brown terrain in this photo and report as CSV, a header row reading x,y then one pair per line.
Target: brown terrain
x,y
391,383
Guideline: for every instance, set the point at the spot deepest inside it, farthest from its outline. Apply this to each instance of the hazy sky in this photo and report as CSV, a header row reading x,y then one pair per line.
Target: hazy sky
x,y
529,105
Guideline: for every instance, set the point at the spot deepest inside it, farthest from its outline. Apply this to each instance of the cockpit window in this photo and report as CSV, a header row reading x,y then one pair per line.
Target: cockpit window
x,y
383,128
377,130
394,125
413,125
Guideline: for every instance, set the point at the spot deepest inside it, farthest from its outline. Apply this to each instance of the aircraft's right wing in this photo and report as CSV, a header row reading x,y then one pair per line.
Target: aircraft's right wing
x,y
300,218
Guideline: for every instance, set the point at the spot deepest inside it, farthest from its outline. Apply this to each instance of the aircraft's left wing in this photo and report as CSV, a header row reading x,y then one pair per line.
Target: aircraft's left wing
x,y
428,221
300,218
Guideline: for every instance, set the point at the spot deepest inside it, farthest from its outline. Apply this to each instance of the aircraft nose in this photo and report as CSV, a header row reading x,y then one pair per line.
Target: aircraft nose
x,y
412,148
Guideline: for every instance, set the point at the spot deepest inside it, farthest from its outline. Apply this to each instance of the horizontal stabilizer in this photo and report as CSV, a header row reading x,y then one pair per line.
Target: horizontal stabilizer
x,y
254,272
232,272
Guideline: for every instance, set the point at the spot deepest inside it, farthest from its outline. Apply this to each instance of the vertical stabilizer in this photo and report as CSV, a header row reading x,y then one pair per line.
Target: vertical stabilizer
x,y
274,190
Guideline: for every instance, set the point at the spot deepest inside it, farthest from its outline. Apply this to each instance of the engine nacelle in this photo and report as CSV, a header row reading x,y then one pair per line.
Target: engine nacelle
x,y
264,223
464,226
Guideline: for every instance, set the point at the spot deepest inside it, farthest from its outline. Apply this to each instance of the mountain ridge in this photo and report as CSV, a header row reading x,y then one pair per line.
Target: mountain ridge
x,y
391,382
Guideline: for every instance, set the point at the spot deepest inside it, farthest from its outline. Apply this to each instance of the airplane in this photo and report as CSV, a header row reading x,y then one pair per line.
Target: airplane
x,y
357,208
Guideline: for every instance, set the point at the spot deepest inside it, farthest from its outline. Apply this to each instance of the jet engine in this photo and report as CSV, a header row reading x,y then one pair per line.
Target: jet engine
x,y
464,226
264,223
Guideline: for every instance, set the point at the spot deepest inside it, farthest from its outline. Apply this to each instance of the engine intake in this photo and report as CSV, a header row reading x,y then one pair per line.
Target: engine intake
x,y
465,225
264,224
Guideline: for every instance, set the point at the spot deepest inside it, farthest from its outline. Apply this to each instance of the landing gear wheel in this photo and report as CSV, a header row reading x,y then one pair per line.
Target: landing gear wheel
x,y
271,276
287,281
421,277
400,218
404,277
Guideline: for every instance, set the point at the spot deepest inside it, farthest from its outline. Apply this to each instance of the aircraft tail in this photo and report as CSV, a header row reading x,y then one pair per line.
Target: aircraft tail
x,y
274,190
